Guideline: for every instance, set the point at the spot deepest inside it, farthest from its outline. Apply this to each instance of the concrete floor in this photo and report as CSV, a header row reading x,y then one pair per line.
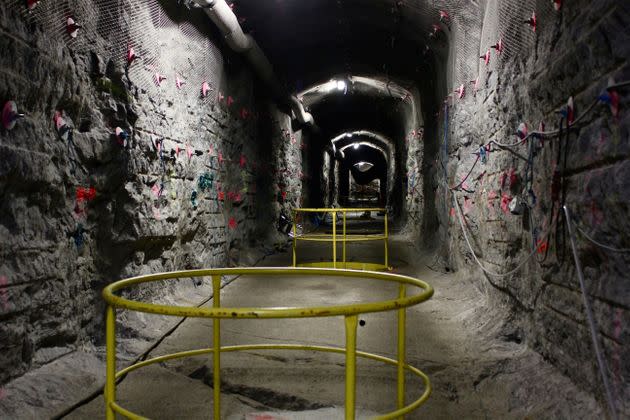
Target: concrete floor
x,y
478,371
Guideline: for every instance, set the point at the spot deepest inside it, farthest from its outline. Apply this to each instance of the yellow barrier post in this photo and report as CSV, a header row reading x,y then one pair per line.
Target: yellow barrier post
x,y
217,312
110,342
334,223
216,344
344,238
351,365
386,242
402,327
294,237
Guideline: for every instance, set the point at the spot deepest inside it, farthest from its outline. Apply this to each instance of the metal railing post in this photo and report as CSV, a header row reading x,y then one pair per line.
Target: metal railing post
x,y
402,327
344,239
110,384
386,242
216,343
294,237
351,365
334,223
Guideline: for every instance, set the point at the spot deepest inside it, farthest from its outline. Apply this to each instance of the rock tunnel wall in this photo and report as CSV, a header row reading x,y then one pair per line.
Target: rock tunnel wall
x,y
189,188
574,52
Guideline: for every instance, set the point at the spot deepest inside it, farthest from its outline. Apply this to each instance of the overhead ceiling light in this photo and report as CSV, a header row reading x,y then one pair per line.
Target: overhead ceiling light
x,y
363,166
349,135
341,85
356,146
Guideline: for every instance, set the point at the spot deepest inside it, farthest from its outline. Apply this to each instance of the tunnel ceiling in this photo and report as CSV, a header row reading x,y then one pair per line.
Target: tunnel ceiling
x,y
309,41
342,113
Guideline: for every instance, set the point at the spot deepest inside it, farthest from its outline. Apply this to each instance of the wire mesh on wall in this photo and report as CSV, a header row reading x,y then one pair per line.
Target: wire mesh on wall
x,y
475,26
111,28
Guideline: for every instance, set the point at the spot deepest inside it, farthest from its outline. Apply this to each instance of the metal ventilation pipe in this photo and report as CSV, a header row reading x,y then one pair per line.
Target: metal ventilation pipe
x,y
225,19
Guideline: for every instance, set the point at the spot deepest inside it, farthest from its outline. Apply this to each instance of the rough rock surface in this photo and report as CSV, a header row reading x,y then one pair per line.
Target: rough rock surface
x,y
574,53
190,187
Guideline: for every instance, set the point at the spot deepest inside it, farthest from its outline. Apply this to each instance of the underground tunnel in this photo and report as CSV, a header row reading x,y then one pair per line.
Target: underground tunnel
x,y
314,209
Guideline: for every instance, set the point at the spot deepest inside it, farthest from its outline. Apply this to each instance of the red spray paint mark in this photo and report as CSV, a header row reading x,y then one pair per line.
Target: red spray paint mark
x,y
4,294
505,203
221,196
512,177
243,161
532,21
232,224
541,246
221,160
452,213
86,194
188,151
230,101
263,417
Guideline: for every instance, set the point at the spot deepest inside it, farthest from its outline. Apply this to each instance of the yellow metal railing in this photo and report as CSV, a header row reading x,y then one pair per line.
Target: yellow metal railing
x,y
345,238
217,312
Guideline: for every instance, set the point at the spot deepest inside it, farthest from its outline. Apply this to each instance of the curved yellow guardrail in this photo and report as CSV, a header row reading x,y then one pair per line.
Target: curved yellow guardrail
x,y
344,239
217,312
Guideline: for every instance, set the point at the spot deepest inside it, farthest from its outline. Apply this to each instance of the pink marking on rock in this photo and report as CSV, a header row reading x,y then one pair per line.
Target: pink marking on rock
x,y
156,190
468,204
58,119
505,203
486,57
205,87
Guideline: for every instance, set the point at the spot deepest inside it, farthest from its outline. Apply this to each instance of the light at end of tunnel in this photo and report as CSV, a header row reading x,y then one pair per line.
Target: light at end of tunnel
x,y
363,166
341,85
